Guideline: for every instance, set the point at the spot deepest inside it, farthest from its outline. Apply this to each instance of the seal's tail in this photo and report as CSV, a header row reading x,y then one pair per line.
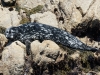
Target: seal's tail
x,y
94,49
88,48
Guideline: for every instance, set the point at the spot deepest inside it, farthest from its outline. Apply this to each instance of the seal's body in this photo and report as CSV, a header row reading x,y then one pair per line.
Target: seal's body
x,y
38,31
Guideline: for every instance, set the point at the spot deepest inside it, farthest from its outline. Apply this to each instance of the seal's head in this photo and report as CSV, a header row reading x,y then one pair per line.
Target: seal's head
x,y
11,33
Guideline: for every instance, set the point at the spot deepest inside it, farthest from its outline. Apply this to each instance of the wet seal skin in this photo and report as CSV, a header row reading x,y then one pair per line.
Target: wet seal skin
x,y
29,32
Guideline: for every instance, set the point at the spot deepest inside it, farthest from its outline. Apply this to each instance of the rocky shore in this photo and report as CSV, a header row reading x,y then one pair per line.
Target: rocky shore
x,y
78,17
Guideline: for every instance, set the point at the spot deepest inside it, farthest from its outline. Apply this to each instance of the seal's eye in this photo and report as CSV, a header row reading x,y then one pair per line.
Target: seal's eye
x,y
7,32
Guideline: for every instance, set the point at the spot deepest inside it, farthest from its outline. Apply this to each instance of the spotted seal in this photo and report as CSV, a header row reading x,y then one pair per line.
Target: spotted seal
x,y
36,31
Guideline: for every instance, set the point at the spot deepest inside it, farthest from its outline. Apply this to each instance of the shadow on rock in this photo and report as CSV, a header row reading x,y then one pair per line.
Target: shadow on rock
x,y
90,29
8,3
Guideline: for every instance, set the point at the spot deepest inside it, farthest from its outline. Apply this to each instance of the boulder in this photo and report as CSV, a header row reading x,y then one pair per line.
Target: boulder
x,y
72,16
97,57
1,67
3,40
84,5
75,19
75,55
46,52
79,12
46,18
13,59
29,4
67,7
51,5
81,17
9,18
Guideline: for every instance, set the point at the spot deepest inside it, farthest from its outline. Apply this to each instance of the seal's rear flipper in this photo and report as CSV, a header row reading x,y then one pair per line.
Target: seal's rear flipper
x,y
27,43
94,49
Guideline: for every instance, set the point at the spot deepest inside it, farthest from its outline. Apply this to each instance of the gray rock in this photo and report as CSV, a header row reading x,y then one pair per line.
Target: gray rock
x,y
13,59
46,18
9,18
29,4
3,40
46,52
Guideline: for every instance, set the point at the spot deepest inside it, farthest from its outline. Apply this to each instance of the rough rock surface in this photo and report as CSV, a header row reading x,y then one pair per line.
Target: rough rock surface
x,y
84,5
75,55
1,67
3,40
46,52
82,16
13,59
29,4
9,18
45,18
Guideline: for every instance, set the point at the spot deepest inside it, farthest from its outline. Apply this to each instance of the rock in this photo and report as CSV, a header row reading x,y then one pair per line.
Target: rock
x,y
46,52
76,18
3,40
96,10
9,18
29,4
91,19
82,16
72,16
13,59
97,57
0,2
15,18
1,67
91,73
35,47
74,10
96,45
75,55
51,5
98,73
67,7
23,14
90,12
79,12
84,5
46,18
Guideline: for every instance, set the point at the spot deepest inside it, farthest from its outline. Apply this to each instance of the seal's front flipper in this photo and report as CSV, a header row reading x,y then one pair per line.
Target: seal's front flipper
x,y
27,43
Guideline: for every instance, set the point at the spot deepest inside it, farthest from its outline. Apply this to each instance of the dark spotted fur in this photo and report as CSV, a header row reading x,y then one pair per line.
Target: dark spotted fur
x,y
37,31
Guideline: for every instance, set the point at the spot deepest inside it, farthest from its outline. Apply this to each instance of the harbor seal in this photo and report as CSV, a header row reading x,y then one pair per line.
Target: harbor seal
x,y
36,31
